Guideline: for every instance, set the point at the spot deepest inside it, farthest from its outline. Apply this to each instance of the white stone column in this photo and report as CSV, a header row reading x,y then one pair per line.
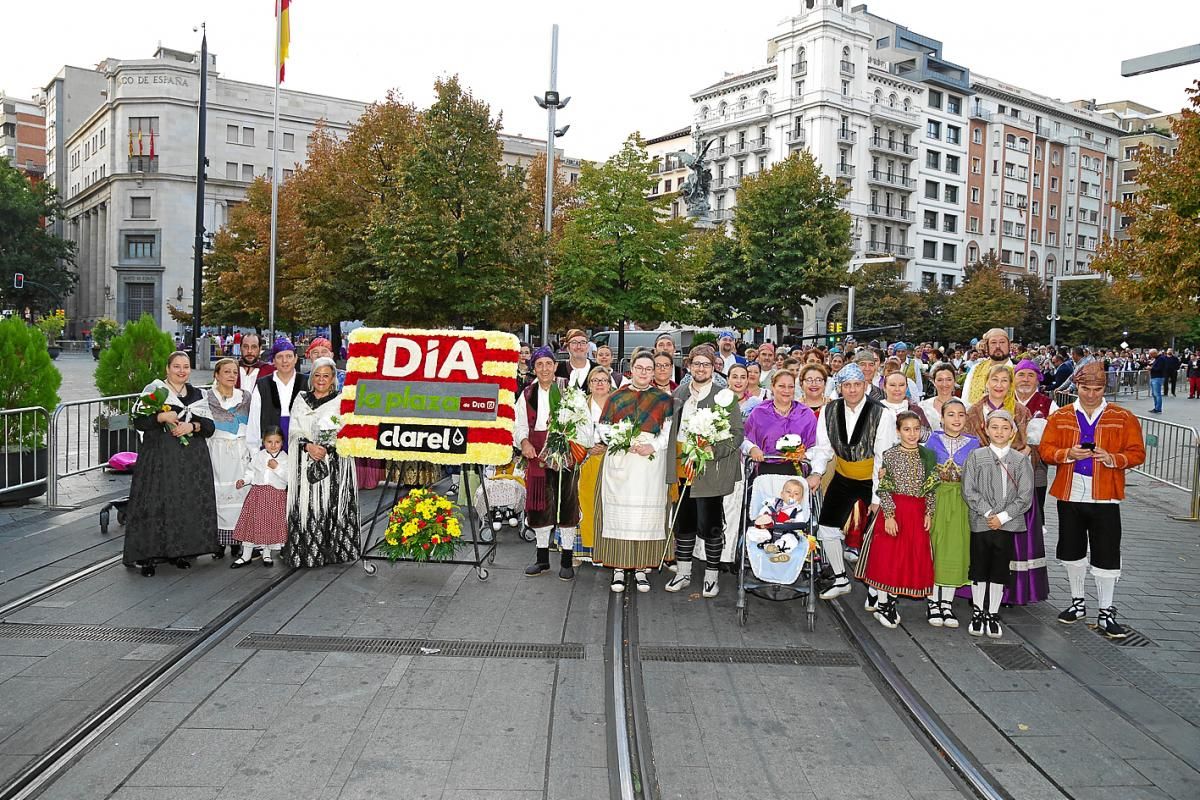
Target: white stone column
x,y
94,268
102,262
83,263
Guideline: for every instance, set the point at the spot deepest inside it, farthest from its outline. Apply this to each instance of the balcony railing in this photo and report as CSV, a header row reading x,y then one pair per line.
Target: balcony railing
x,y
891,248
795,138
754,110
890,179
891,212
847,67
846,135
722,215
909,119
845,170
892,146
760,144
800,68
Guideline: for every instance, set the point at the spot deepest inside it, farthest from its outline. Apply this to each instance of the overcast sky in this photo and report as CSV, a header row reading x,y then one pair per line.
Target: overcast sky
x,y
628,64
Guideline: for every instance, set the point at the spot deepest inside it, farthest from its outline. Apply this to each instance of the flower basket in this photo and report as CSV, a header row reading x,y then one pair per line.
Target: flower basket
x,y
422,527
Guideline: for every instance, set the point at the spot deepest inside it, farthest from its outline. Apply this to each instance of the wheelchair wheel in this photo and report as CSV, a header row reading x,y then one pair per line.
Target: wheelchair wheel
x,y
812,621
741,616
527,534
104,522
121,517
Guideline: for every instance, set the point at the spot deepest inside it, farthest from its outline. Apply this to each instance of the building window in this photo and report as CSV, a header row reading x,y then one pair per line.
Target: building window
x,y
143,164
1052,238
139,207
248,136
972,254
953,134
953,104
951,194
973,224
933,129
231,171
1129,175
799,88
1037,180
949,252
247,172
1034,208
139,300
231,134
977,135
950,223
287,173
139,247
1053,183
976,166
931,220
1034,236
932,190
1053,211
929,249
935,99
845,88
952,164
933,159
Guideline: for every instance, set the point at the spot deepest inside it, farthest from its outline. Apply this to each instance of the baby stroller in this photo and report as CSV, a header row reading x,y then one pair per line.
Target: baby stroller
x,y
120,462
503,495
775,580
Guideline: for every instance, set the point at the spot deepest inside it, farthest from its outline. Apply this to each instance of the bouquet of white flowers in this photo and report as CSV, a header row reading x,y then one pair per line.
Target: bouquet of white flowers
x,y
704,428
568,421
623,435
792,447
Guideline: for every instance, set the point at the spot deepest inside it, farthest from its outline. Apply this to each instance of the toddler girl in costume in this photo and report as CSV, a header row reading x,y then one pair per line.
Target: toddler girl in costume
x,y
997,484
896,556
951,531
782,510
263,521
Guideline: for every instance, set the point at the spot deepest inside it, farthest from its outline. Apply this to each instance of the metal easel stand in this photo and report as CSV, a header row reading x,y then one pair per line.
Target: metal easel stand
x,y
483,550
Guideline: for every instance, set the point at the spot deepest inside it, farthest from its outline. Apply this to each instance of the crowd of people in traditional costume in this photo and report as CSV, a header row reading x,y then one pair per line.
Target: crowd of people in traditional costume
x,y
932,468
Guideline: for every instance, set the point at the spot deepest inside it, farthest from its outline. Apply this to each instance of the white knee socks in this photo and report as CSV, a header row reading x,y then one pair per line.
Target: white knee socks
x,y
977,591
995,594
1106,582
247,551
542,537
566,538
883,596
1076,572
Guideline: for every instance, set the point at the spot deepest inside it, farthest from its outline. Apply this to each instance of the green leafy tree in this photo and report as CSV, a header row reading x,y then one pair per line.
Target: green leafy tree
x,y
136,356
1089,313
454,246
1160,261
982,301
882,297
27,378
793,240
620,258
718,295
27,245
1035,325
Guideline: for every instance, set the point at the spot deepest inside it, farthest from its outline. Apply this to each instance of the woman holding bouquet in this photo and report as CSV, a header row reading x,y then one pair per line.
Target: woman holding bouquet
x,y
703,483
631,522
771,421
600,387
172,508
322,492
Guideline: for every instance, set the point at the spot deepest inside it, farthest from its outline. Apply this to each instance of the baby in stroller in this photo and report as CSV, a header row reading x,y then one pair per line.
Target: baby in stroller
x,y
775,525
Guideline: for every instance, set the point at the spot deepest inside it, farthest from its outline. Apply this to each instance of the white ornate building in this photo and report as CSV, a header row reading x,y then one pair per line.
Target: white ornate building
x,y
942,166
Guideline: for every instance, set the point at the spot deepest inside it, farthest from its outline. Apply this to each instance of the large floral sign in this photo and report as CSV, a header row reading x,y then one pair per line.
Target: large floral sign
x,y
440,396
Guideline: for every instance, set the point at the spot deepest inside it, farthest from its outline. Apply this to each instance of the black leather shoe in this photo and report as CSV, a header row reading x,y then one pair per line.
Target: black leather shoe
x,y
219,553
147,569
182,563
541,563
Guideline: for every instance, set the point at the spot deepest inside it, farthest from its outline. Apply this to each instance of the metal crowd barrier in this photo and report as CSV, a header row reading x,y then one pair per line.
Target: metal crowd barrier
x,y
84,434
1173,458
23,433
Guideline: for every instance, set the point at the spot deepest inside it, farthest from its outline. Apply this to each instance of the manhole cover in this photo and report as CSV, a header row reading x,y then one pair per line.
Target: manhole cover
x,y
1134,639
1013,656
409,647
749,655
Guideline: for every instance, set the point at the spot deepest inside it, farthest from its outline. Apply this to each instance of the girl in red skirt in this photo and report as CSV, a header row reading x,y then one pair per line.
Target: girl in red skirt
x,y
896,557
263,521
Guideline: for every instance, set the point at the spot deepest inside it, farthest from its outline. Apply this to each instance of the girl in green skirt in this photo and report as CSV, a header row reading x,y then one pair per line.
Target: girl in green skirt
x,y
950,534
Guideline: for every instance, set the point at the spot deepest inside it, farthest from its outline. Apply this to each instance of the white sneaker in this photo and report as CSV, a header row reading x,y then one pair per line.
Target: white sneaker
x,y
839,588
710,584
678,583
872,602
850,554
618,582
641,582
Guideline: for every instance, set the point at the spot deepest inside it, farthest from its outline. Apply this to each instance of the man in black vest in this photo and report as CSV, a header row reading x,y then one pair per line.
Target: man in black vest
x,y
853,431
575,369
273,396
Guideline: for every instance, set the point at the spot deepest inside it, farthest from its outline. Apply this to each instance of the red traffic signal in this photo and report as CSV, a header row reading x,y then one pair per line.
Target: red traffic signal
x,y
18,280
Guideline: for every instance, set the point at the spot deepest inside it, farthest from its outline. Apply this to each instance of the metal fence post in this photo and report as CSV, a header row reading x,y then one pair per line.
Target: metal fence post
x,y
1194,511
52,462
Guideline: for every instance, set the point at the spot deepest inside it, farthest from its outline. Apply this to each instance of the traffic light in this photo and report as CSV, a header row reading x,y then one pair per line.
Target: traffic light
x,y
18,280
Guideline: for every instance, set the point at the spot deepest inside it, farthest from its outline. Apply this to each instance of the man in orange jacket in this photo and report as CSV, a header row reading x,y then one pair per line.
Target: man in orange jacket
x,y
1092,442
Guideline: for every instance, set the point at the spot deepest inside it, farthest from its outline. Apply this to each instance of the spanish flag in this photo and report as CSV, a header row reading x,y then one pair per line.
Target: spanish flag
x,y
284,33
131,142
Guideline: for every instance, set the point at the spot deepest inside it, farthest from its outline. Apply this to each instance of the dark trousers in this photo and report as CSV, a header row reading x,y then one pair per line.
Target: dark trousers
x,y
702,517
1094,527
1172,379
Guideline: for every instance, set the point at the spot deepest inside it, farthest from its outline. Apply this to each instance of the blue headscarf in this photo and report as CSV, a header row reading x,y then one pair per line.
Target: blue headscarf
x,y
850,372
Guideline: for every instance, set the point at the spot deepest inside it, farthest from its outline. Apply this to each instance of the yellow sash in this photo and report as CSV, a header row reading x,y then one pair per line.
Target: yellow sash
x,y
855,470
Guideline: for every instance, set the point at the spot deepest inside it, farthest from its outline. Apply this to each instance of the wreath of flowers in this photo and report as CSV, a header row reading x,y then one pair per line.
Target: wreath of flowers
x,y
422,527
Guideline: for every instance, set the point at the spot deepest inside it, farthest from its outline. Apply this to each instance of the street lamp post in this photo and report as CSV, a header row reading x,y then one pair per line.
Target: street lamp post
x,y
1054,281
551,102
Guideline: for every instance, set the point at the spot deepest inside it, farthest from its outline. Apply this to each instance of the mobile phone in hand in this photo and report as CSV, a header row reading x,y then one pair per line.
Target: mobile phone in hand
x,y
1088,445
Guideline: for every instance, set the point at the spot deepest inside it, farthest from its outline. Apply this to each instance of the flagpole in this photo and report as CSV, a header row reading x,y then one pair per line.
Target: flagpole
x,y
275,178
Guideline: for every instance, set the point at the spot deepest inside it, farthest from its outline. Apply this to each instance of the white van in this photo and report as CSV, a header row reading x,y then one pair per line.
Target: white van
x,y
635,340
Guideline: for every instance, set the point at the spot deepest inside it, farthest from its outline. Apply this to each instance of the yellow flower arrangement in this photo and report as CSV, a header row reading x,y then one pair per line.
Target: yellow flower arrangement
x,y
422,527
